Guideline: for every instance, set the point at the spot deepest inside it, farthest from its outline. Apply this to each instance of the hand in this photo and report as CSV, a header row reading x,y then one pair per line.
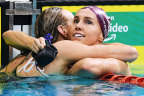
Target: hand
x,y
38,44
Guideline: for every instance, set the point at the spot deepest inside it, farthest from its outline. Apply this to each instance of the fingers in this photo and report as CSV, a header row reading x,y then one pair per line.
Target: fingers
x,y
35,48
38,44
42,42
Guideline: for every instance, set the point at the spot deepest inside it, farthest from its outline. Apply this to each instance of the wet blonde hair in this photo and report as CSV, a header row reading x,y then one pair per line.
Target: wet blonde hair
x,y
48,22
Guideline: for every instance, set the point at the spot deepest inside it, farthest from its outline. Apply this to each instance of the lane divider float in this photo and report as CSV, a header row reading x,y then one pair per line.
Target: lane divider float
x,y
124,79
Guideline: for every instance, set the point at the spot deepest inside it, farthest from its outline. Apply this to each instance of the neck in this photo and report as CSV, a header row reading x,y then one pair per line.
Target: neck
x,y
99,42
60,38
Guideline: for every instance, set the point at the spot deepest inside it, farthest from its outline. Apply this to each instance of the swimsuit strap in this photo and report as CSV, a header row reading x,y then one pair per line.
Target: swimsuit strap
x,y
26,58
33,63
28,63
41,71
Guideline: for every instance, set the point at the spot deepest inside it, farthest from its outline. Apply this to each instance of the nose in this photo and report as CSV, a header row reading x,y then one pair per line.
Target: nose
x,y
78,26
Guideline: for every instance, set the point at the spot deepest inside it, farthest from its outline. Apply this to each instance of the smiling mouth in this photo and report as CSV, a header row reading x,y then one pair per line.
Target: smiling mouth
x,y
78,35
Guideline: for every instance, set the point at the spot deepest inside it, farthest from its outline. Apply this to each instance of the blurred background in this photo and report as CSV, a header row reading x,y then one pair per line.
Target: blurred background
x,y
126,27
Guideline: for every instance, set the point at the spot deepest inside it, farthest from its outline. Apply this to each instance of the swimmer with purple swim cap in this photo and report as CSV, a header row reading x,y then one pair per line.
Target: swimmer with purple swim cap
x,y
91,25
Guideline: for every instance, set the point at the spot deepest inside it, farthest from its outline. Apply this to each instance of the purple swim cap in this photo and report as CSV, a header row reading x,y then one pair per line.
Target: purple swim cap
x,y
102,17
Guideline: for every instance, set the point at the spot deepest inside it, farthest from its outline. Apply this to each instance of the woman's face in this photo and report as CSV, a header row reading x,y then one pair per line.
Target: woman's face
x,y
86,28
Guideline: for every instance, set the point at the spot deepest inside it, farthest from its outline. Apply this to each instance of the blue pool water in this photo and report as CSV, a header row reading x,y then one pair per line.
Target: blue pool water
x,y
61,85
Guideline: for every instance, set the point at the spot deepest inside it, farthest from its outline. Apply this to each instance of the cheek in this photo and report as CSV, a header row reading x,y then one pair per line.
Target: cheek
x,y
94,33
69,34
91,37
97,31
94,36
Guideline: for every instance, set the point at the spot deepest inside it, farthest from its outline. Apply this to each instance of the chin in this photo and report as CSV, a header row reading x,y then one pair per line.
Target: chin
x,y
77,38
90,44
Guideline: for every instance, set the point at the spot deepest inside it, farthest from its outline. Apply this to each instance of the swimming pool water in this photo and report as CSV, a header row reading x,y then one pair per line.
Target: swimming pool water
x,y
61,85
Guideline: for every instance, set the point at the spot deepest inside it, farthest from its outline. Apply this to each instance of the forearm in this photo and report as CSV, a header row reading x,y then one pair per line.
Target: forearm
x,y
76,51
97,67
119,51
18,39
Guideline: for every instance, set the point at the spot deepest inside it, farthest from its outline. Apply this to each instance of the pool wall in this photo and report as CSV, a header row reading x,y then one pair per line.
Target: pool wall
x,y
126,21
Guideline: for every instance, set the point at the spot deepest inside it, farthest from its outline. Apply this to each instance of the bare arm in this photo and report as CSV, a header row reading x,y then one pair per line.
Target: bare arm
x,y
18,39
97,67
76,51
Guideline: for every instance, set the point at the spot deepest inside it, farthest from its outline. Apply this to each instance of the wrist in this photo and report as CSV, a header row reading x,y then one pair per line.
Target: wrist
x,y
30,43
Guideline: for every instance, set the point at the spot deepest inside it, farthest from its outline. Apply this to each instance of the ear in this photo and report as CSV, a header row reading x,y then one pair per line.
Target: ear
x,y
101,38
62,30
